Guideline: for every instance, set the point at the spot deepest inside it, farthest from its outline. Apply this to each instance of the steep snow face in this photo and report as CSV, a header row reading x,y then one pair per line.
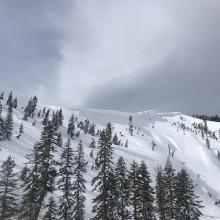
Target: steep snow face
x,y
186,147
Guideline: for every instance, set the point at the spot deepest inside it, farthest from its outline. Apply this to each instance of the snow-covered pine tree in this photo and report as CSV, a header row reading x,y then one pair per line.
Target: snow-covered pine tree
x,y
15,103
65,185
131,129
60,117
115,139
92,129
134,192
122,190
92,144
34,105
9,121
71,127
79,182
104,182
3,130
145,207
46,117
86,126
187,205
30,177
51,210
169,187
49,141
46,169
160,194
10,99
8,186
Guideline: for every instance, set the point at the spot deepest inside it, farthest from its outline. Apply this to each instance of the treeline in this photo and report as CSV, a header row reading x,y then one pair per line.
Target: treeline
x,y
207,118
53,187
121,193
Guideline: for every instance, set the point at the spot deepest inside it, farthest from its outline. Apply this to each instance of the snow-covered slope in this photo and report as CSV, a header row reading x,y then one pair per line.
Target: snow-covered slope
x,y
188,148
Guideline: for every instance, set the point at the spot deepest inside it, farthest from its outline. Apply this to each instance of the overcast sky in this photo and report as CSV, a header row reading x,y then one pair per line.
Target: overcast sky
x,y
114,54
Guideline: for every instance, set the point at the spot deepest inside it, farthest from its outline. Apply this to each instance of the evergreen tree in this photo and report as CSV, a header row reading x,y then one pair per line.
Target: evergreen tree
x,y
160,194
46,118
145,205
92,144
30,177
92,129
187,205
0,108
115,139
3,130
122,190
134,193
51,213
34,105
71,127
104,182
60,117
8,186
15,103
131,129
10,99
9,121
169,187
86,126
65,185
46,166
79,183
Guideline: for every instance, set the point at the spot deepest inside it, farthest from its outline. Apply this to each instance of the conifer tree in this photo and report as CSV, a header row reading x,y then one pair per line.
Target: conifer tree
x,y
15,103
10,99
145,207
131,129
65,184
104,182
86,126
92,129
187,205
134,191
9,121
34,105
169,187
30,177
92,144
3,130
60,117
122,190
71,127
46,117
0,108
160,194
8,186
51,212
79,183
46,166
115,139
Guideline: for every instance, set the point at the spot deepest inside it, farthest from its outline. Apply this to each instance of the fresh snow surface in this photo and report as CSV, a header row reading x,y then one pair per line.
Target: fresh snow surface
x,y
189,149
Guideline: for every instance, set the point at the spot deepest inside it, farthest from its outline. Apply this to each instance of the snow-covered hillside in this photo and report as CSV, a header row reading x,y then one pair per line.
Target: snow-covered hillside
x,y
187,147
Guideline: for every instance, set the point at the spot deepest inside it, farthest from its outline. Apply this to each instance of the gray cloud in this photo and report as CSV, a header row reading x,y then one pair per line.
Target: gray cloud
x,y
126,55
